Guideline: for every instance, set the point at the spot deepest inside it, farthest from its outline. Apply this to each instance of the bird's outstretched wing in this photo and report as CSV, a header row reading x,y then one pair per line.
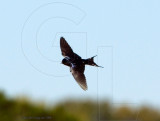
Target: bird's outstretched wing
x,y
78,74
65,48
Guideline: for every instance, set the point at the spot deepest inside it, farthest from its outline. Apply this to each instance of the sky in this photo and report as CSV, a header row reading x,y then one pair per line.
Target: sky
x,y
123,33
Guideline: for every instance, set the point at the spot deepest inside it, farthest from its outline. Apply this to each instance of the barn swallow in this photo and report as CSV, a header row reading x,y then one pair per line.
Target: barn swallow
x,y
76,63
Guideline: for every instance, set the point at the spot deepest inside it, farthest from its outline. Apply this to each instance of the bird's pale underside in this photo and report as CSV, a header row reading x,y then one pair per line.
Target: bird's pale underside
x,y
76,63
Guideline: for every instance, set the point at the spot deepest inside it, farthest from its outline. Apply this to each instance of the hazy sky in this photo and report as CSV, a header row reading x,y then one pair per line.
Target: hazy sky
x,y
125,34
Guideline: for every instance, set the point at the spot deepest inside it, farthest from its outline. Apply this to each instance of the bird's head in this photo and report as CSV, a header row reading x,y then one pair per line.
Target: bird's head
x,y
64,61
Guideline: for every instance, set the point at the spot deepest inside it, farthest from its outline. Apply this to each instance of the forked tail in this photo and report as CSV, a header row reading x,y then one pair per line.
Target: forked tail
x,y
90,61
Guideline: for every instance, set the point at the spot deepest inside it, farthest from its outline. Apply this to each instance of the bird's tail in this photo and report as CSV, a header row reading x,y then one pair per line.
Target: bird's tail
x,y
90,61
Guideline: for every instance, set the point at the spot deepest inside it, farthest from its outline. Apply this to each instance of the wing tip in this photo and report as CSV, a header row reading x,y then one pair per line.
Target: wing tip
x,y
84,88
62,40
61,37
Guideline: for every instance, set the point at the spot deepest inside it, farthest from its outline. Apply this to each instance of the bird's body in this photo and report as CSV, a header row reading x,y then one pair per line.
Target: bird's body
x,y
76,63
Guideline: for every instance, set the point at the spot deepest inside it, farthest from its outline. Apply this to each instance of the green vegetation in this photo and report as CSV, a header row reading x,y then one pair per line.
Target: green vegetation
x,y
71,110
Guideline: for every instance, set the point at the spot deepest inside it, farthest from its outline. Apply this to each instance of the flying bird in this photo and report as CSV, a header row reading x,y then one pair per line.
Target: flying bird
x,y
76,63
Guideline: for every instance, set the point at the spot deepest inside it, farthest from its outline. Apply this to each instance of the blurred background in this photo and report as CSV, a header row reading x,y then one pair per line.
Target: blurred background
x,y
125,36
